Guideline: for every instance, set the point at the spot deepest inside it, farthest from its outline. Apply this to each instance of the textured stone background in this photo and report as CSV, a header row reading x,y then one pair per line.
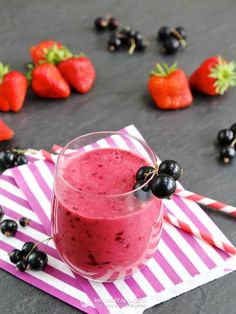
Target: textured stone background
x,y
120,98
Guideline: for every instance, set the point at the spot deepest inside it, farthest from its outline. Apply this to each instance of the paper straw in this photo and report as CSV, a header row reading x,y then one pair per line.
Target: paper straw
x,y
200,199
48,156
209,202
221,207
199,234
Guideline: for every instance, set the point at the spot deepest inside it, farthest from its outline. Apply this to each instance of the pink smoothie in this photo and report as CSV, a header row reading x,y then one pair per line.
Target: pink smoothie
x,y
100,228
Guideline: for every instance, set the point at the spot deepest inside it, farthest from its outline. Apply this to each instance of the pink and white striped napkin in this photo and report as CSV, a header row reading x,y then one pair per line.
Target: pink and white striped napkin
x,y
180,264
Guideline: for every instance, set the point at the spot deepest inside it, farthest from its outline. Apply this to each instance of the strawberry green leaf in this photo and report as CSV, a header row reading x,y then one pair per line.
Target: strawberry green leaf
x,y
28,73
163,70
4,69
55,55
224,74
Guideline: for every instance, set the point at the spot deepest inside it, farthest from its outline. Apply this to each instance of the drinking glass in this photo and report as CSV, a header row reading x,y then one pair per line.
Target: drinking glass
x,y
104,237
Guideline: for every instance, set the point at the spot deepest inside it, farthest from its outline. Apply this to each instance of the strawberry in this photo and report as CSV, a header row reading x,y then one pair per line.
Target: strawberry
x,y
77,70
169,87
214,76
46,81
39,51
79,73
13,89
6,133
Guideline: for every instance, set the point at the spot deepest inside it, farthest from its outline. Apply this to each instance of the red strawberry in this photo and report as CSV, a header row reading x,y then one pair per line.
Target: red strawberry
x,y
13,89
214,76
6,133
78,71
169,87
47,82
39,51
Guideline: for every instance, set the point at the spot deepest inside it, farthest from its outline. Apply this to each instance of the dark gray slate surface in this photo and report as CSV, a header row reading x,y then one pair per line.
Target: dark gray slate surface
x,y
120,98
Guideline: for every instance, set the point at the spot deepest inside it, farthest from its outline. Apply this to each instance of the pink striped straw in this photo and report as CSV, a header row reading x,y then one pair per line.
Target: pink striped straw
x,y
199,234
209,202
197,198
221,207
48,156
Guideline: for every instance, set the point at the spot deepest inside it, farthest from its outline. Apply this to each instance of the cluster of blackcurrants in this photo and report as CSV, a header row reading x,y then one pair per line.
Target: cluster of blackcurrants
x,y
226,138
127,38
172,39
106,23
29,257
10,158
161,181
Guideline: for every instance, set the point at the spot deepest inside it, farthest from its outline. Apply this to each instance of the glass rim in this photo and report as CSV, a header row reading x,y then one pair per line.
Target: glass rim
x,y
153,157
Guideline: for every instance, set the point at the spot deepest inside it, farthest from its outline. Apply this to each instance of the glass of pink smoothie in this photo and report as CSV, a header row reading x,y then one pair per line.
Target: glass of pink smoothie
x,y
102,228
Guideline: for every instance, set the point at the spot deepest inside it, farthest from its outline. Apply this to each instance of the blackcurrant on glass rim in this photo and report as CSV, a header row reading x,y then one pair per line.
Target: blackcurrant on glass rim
x,y
153,158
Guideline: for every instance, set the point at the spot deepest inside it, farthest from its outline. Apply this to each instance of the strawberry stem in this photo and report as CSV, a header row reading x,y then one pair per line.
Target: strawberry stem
x,y
28,73
163,70
55,55
224,74
4,69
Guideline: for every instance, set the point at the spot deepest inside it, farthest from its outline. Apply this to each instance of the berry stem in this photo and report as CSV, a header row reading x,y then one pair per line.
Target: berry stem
x,y
132,47
23,151
147,174
233,143
226,160
37,243
179,37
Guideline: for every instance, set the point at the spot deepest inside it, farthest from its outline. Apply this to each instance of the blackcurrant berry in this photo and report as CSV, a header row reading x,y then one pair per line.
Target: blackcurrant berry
x,y
163,186
143,194
124,35
113,23
8,159
15,256
164,33
141,44
170,46
21,265
233,128
182,31
114,43
227,153
225,137
144,173
37,260
170,167
126,31
2,159
100,23
28,247
9,227
24,221
21,159
136,35
1,213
